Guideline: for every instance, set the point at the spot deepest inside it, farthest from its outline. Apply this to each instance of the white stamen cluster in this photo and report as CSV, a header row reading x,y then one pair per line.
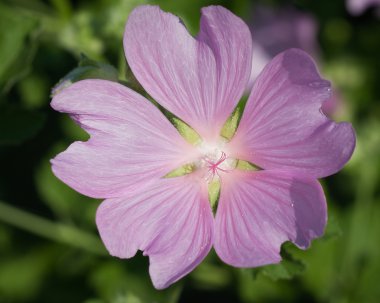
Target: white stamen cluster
x,y
215,159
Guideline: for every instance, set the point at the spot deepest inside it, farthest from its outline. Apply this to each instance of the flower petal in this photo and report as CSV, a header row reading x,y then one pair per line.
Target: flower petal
x,y
131,141
230,40
260,210
283,125
287,28
171,222
197,80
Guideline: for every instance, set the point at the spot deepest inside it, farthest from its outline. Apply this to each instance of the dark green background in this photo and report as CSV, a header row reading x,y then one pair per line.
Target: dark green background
x,y
49,247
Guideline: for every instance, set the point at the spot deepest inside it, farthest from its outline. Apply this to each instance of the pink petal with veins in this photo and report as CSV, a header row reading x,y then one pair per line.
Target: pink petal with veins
x,y
199,80
258,211
131,144
283,126
171,221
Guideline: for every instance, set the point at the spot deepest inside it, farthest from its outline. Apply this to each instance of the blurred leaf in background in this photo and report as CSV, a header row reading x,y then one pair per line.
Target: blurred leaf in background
x,y
87,69
18,36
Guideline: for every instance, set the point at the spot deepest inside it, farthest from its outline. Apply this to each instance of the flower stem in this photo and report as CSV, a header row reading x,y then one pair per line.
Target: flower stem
x,y
58,232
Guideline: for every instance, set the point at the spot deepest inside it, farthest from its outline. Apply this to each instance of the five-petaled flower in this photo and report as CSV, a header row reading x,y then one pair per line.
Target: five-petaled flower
x,y
132,147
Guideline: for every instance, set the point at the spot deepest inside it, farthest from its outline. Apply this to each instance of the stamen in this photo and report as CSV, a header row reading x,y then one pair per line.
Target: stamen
x,y
214,167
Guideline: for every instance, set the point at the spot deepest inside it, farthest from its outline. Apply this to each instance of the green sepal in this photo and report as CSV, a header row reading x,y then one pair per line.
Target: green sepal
x,y
229,128
87,69
181,171
214,194
232,123
245,165
188,133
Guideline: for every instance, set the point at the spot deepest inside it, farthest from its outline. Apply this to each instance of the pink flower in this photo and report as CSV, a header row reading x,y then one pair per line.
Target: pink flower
x,y
200,80
288,28
357,7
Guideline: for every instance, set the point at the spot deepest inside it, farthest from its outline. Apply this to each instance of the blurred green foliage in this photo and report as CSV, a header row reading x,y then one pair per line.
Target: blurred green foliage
x,y
49,247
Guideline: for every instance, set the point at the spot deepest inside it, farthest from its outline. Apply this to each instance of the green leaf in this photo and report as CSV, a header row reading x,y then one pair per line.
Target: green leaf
x,y
114,14
15,51
211,276
87,69
22,276
333,228
94,301
116,283
287,269
81,34
19,125
34,90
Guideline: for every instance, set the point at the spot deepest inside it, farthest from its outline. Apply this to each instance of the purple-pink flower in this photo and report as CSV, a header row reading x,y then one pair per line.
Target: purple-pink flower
x,y
287,28
132,147
357,7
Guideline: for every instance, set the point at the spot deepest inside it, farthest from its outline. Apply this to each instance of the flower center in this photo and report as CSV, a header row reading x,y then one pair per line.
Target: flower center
x,y
215,160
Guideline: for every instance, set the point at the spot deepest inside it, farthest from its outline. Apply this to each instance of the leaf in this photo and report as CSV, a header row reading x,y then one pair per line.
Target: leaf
x,y
15,53
22,276
81,34
287,269
19,125
94,301
333,229
117,283
87,69
211,276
